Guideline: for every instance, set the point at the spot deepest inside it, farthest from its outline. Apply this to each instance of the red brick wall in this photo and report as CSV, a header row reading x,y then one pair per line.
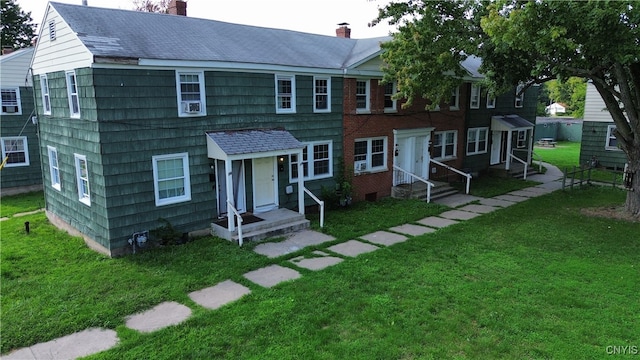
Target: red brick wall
x,y
377,123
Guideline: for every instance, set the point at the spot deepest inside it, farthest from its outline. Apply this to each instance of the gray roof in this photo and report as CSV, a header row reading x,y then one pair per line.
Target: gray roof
x,y
472,65
509,122
142,35
237,142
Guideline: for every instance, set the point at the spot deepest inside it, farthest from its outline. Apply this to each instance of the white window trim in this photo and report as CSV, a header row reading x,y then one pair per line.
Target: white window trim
x,y
25,144
46,97
491,102
203,102
18,102
519,99
478,140
367,108
187,179
610,136
84,198
455,145
55,180
71,92
456,104
310,169
474,98
291,78
369,156
394,106
521,142
328,94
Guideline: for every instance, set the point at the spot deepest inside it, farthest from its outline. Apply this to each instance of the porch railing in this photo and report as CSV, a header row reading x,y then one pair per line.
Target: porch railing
x,y
450,168
320,202
537,157
526,166
235,215
402,176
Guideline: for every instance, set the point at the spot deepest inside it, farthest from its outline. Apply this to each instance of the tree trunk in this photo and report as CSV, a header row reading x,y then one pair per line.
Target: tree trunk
x,y
632,204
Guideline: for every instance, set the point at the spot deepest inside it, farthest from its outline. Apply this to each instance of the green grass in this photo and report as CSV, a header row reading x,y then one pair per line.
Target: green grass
x,y
536,280
22,203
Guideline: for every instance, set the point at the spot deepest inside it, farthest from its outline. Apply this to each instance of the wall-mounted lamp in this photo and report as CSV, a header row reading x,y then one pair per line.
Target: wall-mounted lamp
x,y
281,163
396,152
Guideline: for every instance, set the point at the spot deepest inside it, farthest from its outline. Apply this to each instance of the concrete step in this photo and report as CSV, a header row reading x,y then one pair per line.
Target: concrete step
x,y
272,231
419,191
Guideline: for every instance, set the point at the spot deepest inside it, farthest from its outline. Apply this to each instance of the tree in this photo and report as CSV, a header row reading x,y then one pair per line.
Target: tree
x,y
17,28
160,6
570,92
529,42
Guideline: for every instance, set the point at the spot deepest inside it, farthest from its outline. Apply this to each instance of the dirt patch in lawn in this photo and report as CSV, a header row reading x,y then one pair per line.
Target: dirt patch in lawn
x,y
611,212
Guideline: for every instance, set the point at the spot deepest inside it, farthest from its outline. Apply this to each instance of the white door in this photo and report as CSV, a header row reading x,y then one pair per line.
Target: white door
x,y
421,161
496,146
265,194
240,199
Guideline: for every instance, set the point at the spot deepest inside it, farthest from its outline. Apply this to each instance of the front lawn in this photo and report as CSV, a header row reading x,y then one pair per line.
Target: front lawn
x,y
536,280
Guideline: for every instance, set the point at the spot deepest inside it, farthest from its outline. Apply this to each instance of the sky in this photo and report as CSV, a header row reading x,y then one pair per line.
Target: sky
x,y
311,16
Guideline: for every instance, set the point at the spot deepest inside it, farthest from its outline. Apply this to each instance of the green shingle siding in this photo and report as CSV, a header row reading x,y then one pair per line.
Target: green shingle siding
x,y
594,137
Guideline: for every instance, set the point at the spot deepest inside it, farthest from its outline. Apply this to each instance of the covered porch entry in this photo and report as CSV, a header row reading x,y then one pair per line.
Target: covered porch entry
x,y
246,172
511,140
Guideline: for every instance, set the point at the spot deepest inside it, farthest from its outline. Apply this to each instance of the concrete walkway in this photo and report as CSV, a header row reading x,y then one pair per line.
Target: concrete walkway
x,y
167,314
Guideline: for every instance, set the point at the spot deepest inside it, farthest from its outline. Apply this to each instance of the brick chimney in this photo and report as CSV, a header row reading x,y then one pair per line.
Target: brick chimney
x,y
178,7
343,31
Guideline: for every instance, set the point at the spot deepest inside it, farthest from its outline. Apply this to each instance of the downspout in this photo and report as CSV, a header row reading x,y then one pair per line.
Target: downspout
x,y
300,184
231,225
509,136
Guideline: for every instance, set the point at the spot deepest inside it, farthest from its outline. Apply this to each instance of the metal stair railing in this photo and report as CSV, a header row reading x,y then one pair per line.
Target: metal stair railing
x,y
406,176
450,168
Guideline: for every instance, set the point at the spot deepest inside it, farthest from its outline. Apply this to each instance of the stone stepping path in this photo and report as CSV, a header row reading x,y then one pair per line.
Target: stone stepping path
x,y
161,316
216,296
511,198
352,248
413,230
496,202
437,222
478,209
296,242
384,238
321,261
271,275
80,344
458,215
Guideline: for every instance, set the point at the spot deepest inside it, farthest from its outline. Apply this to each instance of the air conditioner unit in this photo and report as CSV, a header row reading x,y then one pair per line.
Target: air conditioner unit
x,y
10,109
191,107
360,165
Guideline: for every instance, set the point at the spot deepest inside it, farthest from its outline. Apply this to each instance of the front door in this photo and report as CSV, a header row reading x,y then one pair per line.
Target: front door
x,y
496,147
412,153
237,181
265,192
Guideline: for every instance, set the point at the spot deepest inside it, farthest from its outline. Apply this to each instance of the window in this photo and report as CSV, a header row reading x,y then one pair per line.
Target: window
x,y
317,166
519,97
454,103
522,139
322,94
370,154
474,102
54,168
15,150
362,96
171,178
285,94
612,141
444,144
52,30
491,102
44,90
11,101
82,178
191,97
477,139
72,93
389,102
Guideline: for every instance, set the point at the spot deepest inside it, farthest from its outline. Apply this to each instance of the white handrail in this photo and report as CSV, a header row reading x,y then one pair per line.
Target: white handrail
x,y
468,176
522,162
428,183
534,154
320,202
236,213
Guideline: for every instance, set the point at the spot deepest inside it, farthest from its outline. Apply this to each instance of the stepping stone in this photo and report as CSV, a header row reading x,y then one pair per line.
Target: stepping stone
x,y
384,238
458,215
216,296
295,242
161,316
456,200
352,248
76,345
436,222
324,260
538,190
480,209
553,186
512,198
271,275
524,193
496,202
413,230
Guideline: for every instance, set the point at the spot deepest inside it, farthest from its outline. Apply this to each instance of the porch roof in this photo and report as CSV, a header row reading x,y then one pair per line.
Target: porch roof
x,y
251,142
510,122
